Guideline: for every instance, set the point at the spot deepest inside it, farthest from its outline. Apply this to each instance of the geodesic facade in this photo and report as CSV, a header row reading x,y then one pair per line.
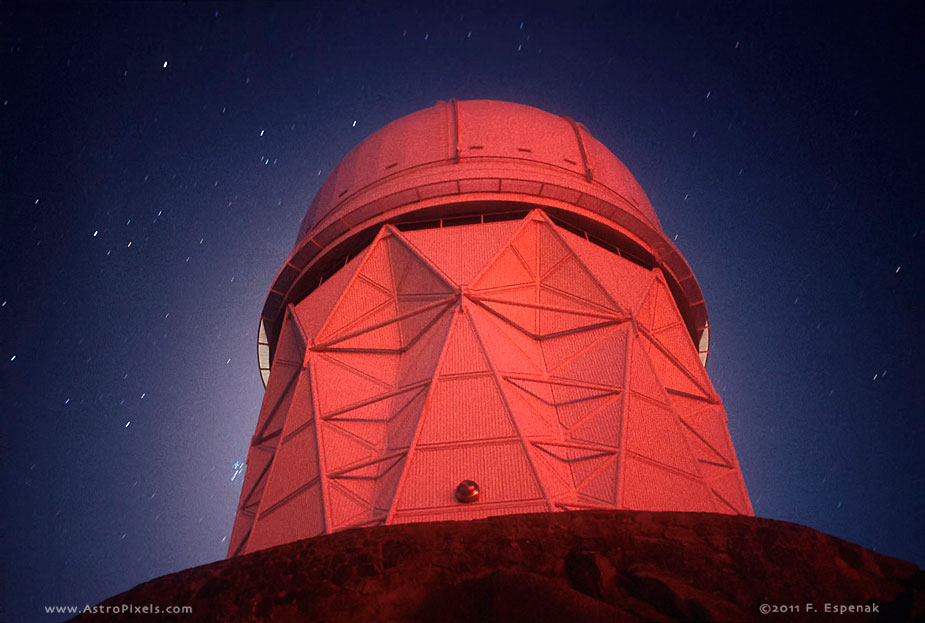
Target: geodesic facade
x,y
508,348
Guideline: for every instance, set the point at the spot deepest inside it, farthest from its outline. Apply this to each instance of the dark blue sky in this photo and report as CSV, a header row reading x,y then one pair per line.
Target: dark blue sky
x,y
157,160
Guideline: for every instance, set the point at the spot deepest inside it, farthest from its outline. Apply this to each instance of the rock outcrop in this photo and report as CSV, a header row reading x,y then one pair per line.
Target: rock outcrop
x,y
568,566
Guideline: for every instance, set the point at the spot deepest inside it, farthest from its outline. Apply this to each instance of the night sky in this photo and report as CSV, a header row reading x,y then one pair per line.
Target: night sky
x,y
157,160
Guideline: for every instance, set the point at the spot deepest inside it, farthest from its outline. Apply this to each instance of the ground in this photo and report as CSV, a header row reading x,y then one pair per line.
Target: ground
x,y
569,566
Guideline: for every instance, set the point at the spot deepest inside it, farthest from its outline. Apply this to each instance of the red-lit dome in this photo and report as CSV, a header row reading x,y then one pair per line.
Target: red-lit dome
x,y
482,316
480,157
472,140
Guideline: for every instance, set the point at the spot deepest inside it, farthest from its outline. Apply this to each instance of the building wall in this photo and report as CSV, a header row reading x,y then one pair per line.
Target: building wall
x,y
553,372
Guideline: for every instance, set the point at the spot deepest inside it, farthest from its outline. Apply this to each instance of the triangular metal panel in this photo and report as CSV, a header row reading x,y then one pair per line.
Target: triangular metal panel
x,y
601,486
274,411
419,361
361,300
315,309
602,427
341,449
658,310
419,279
684,404
345,508
506,271
405,420
626,283
464,353
552,250
255,479
377,331
388,486
290,348
412,273
383,367
726,483
555,322
654,432
646,486
603,363
299,518
377,264
339,387
559,350
294,465
465,410
536,420
710,426
525,243
642,377
555,476
461,252
677,341
573,404
521,315
674,376
372,432
418,316
301,409
363,489
584,463
510,350
571,277
701,450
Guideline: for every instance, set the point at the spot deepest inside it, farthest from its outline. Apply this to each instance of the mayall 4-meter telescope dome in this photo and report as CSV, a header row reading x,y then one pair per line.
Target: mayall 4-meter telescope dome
x,y
481,316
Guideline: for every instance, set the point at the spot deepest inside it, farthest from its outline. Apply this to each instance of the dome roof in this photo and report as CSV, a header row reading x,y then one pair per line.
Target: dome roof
x,y
427,147
477,159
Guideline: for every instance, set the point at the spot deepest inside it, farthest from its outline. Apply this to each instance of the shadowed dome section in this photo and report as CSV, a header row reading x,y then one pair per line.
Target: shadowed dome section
x,y
463,162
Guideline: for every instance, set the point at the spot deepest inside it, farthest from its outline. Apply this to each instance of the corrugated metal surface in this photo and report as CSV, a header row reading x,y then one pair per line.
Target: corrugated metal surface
x,y
360,300
727,487
601,485
435,472
382,367
298,459
470,512
674,376
516,365
560,350
678,344
337,386
642,377
297,519
709,428
460,252
506,271
602,363
314,311
602,426
464,353
346,508
342,449
646,486
572,277
654,432
627,283
465,409
520,156
513,351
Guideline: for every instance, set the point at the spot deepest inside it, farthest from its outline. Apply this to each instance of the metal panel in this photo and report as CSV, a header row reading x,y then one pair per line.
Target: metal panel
x,y
550,370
